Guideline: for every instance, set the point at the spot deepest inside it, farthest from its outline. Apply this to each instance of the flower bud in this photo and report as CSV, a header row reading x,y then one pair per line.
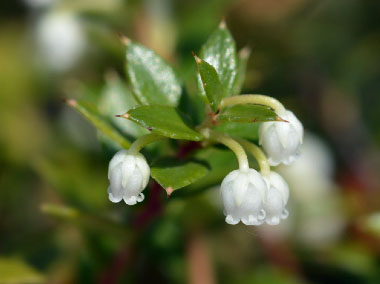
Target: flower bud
x,y
243,193
276,198
281,140
128,175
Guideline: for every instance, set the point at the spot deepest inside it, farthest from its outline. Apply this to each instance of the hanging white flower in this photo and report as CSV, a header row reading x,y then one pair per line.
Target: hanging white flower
x,y
61,40
243,193
276,199
281,140
128,175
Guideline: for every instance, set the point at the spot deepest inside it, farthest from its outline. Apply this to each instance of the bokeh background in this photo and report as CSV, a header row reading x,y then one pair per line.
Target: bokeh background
x,y
321,58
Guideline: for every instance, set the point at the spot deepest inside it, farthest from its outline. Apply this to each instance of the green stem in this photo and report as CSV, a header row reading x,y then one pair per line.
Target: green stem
x,y
230,143
140,142
253,99
258,154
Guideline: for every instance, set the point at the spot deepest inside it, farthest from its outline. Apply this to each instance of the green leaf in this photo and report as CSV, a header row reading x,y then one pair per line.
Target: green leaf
x,y
116,99
221,162
246,130
153,80
248,113
172,174
220,52
202,92
191,103
242,60
90,112
13,270
163,120
211,83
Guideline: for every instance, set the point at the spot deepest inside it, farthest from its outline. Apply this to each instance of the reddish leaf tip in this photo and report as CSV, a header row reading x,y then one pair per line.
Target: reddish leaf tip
x,y
124,39
281,119
197,59
245,52
223,24
70,102
125,115
169,191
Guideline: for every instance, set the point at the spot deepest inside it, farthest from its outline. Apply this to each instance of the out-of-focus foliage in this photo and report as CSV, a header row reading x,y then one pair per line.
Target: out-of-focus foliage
x,y
15,271
56,223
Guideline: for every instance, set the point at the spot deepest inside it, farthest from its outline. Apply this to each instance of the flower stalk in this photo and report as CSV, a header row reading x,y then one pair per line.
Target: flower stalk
x,y
258,154
142,141
253,99
230,143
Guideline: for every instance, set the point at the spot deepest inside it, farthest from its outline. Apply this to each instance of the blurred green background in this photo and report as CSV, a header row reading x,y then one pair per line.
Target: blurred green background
x,y
320,58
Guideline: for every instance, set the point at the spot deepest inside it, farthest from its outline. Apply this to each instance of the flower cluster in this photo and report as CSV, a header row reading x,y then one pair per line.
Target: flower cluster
x,y
243,193
156,104
252,199
248,196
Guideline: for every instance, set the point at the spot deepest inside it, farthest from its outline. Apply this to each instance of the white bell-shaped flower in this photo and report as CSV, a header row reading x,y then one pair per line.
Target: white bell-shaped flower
x,y
243,194
281,140
128,175
276,199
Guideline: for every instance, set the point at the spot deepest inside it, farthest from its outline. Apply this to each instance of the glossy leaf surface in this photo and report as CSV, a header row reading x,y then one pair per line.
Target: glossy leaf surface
x,y
153,80
247,113
163,120
173,175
